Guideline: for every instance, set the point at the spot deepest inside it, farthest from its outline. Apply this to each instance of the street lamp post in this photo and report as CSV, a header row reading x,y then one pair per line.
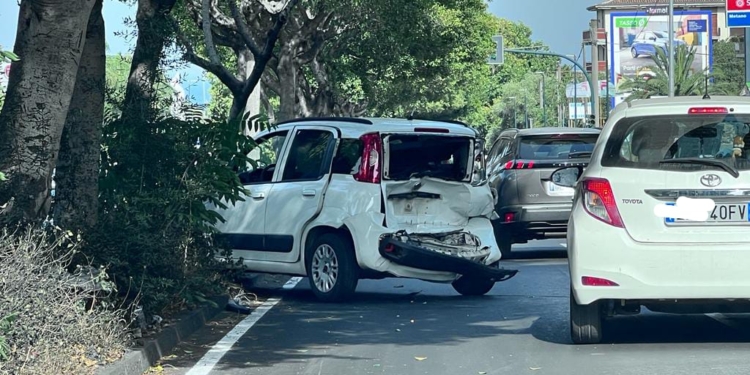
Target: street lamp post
x,y
515,122
575,89
541,99
671,49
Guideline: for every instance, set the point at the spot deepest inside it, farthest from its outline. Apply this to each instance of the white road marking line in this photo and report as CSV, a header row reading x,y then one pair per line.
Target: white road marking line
x,y
210,359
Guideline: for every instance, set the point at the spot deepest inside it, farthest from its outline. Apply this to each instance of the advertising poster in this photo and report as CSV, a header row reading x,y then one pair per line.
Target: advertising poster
x,y
634,39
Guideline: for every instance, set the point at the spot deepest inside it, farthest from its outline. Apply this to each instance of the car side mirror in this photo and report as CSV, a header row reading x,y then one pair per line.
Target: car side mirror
x,y
566,176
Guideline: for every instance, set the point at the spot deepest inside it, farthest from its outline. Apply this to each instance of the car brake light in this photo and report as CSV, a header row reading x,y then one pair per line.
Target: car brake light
x,y
519,164
599,201
369,167
596,281
707,110
509,217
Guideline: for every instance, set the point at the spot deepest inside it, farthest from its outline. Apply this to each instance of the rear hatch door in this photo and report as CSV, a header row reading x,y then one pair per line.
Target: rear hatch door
x,y
654,160
427,183
539,155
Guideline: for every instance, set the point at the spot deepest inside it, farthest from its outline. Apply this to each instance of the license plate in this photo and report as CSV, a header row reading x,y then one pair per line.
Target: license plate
x,y
554,189
723,213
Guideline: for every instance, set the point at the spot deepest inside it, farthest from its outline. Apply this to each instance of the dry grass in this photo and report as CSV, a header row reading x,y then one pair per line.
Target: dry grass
x,y
53,321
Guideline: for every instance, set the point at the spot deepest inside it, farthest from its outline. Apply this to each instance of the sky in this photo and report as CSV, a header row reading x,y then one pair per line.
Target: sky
x,y
559,25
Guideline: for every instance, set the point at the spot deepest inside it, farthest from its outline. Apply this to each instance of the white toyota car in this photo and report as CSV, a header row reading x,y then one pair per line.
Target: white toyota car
x,y
660,215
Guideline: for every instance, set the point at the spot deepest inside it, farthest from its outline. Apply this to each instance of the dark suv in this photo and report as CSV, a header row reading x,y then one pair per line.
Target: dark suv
x,y
519,164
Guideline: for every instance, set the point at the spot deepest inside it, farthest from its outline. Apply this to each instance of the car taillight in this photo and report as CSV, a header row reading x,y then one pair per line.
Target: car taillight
x,y
369,168
519,164
599,201
707,110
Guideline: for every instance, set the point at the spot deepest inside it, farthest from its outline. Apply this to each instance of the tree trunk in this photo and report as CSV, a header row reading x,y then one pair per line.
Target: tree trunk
x,y
153,31
49,42
287,73
77,170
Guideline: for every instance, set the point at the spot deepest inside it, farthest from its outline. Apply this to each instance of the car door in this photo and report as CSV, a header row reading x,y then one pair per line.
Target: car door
x,y
244,225
297,197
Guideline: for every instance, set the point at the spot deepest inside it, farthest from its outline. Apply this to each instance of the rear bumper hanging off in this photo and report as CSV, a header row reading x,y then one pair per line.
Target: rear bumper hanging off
x,y
411,255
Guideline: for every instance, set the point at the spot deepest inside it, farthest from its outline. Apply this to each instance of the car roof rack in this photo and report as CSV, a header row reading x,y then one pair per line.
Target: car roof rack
x,y
339,119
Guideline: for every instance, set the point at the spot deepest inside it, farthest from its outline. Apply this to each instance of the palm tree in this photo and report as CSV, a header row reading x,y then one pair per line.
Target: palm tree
x,y
686,82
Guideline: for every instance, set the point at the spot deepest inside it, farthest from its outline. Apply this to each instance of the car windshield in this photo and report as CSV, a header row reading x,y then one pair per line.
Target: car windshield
x,y
680,143
660,35
445,157
556,146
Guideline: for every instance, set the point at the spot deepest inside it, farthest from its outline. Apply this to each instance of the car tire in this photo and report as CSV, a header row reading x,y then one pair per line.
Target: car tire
x,y
585,322
504,243
332,268
633,52
472,286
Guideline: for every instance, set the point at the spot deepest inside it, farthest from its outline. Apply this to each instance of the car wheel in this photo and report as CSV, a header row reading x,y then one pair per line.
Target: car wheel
x,y
332,268
633,52
472,286
585,322
504,242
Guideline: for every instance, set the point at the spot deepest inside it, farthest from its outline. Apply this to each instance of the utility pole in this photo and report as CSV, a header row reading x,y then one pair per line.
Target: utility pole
x,y
594,25
541,99
557,94
671,48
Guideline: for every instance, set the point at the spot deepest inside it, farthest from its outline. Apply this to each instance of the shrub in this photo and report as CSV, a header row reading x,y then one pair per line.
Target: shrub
x,y
154,228
51,321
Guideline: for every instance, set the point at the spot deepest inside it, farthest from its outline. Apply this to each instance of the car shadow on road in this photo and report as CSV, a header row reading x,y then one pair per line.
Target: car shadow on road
x,y
300,329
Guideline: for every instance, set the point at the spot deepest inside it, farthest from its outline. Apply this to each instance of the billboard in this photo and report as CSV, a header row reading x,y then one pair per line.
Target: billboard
x,y
634,38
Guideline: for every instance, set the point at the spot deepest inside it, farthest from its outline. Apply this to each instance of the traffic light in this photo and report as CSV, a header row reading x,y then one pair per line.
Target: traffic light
x,y
498,57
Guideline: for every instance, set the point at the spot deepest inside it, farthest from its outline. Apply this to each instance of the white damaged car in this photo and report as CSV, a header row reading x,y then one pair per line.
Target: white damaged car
x,y
342,199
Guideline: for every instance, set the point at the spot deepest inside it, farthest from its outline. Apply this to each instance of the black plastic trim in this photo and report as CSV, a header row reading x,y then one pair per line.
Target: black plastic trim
x,y
417,257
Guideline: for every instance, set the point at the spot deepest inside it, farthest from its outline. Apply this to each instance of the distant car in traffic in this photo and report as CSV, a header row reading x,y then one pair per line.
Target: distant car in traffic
x,y
646,43
529,205
661,216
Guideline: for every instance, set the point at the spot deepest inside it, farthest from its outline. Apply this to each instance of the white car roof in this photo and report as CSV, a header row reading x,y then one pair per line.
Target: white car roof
x,y
355,127
680,105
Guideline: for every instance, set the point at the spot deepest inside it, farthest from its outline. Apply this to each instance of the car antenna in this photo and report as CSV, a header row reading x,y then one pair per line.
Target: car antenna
x,y
705,95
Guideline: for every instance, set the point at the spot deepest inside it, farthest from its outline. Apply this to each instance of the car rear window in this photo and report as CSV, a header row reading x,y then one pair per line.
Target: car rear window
x,y
446,157
556,146
651,142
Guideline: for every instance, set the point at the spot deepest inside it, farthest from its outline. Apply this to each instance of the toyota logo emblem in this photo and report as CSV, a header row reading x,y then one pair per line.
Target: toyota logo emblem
x,y
710,180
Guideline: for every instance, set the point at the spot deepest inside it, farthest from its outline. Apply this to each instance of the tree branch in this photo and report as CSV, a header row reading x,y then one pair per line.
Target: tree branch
x,y
218,70
243,29
207,34
261,60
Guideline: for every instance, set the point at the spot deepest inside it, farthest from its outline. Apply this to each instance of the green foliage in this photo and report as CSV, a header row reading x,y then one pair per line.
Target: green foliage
x,y
5,56
117,72
154,226
5,328
728,69
686,81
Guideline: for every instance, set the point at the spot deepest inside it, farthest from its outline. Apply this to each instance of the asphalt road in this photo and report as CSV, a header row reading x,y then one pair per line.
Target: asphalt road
x,y
411,327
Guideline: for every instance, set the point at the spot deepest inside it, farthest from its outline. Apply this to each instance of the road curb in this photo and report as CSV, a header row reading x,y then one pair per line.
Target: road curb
x,y
137,361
